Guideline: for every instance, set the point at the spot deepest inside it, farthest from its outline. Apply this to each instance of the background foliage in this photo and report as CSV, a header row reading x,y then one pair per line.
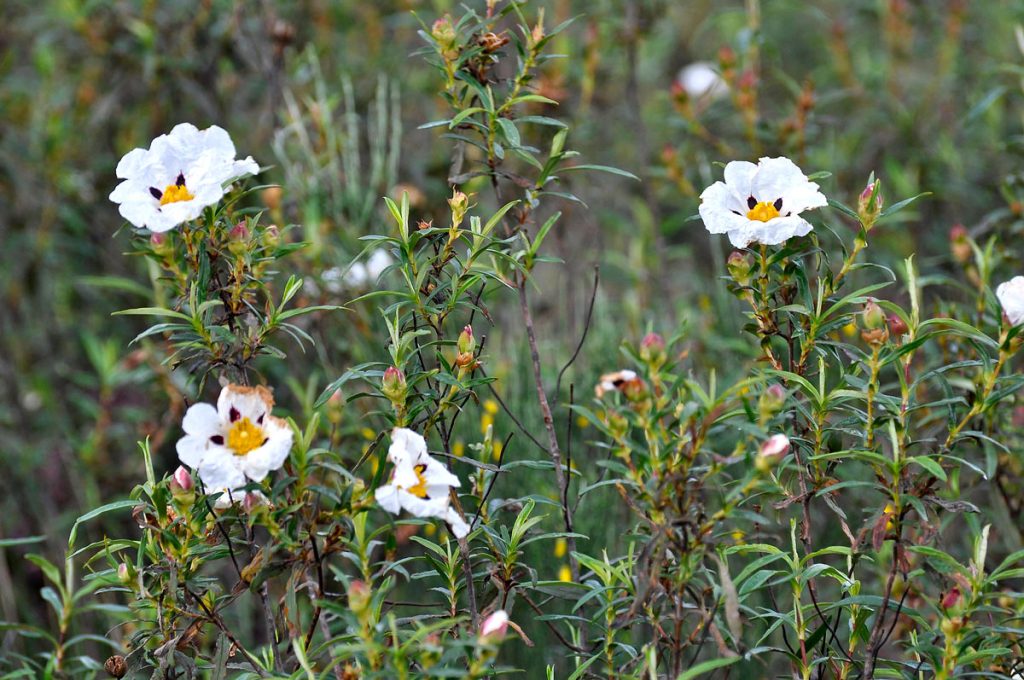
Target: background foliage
x,y
926,95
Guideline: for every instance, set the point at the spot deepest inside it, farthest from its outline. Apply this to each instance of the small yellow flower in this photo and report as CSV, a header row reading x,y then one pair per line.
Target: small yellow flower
x,y
459,449
497,450
430,530
368,434
560,547
565,574
486,420
850,329
704,302
582,422
491,406
738,536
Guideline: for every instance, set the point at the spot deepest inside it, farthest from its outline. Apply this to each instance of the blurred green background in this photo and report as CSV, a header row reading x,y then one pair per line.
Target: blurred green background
x,y
330,95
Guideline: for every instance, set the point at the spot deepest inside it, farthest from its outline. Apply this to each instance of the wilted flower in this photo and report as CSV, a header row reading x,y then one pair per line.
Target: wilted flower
x,y
1011,297
235,442
701,79
177,176
494,626
760,203
419,483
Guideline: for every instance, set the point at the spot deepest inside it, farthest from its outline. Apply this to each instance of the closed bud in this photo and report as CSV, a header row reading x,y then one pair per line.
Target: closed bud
x,y
772,399
897,326
443,32
251,502
394,387
182,479
125,573
459,203
271,197
160,244
960,244
652,349
772,450
951,626
869,203
238,239
359,596
872,317
739,265
952,598
466,345
271,237
494,627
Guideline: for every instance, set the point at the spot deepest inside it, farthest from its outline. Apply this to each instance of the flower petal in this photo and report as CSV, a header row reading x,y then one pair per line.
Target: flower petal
x,y
458,525
248,402
387,498
202,420
270,456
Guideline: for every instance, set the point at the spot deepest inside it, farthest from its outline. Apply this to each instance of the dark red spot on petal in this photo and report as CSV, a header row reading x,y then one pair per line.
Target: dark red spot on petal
x,y
217,439
234,414
778,204
181,180
751,202
156,193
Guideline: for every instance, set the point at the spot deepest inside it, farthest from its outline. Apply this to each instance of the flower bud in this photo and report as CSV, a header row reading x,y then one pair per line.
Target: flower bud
x,y
394,387
872,317
466,345
772,450
160,244
494,627
443,32
238,239
359,596
739,266
875,330
960,244
869,203
459,203
772,399
952,598
271,237
251,502
951,626
652,349
125,573
182,479
897,326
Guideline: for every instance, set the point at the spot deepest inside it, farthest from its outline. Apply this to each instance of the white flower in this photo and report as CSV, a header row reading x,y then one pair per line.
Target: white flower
x,y
701,79
236,442
1011,297
613,382
760,203
419,483
177,176
362,275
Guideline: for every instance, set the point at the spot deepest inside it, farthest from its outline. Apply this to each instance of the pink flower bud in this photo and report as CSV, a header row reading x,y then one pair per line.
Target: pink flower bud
x,y
157,240
251,502
872,317
240,232
775,446
359,596
183,478
466,345
652,349
494,626
124,573
952,598
393,386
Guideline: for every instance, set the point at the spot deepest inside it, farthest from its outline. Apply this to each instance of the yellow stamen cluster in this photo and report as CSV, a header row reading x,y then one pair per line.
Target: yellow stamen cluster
x,y
175,193
762,212
243,437
420,488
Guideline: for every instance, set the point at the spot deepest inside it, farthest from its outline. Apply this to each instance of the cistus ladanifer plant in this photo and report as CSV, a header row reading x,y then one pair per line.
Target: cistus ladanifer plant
x,y
821,515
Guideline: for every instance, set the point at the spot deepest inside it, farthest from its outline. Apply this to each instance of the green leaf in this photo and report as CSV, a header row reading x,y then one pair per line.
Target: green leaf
x,y
706,666
601,168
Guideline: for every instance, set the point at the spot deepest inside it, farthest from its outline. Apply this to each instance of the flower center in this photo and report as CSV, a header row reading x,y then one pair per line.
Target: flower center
x,y
763,211
243,437
175,193
420,488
